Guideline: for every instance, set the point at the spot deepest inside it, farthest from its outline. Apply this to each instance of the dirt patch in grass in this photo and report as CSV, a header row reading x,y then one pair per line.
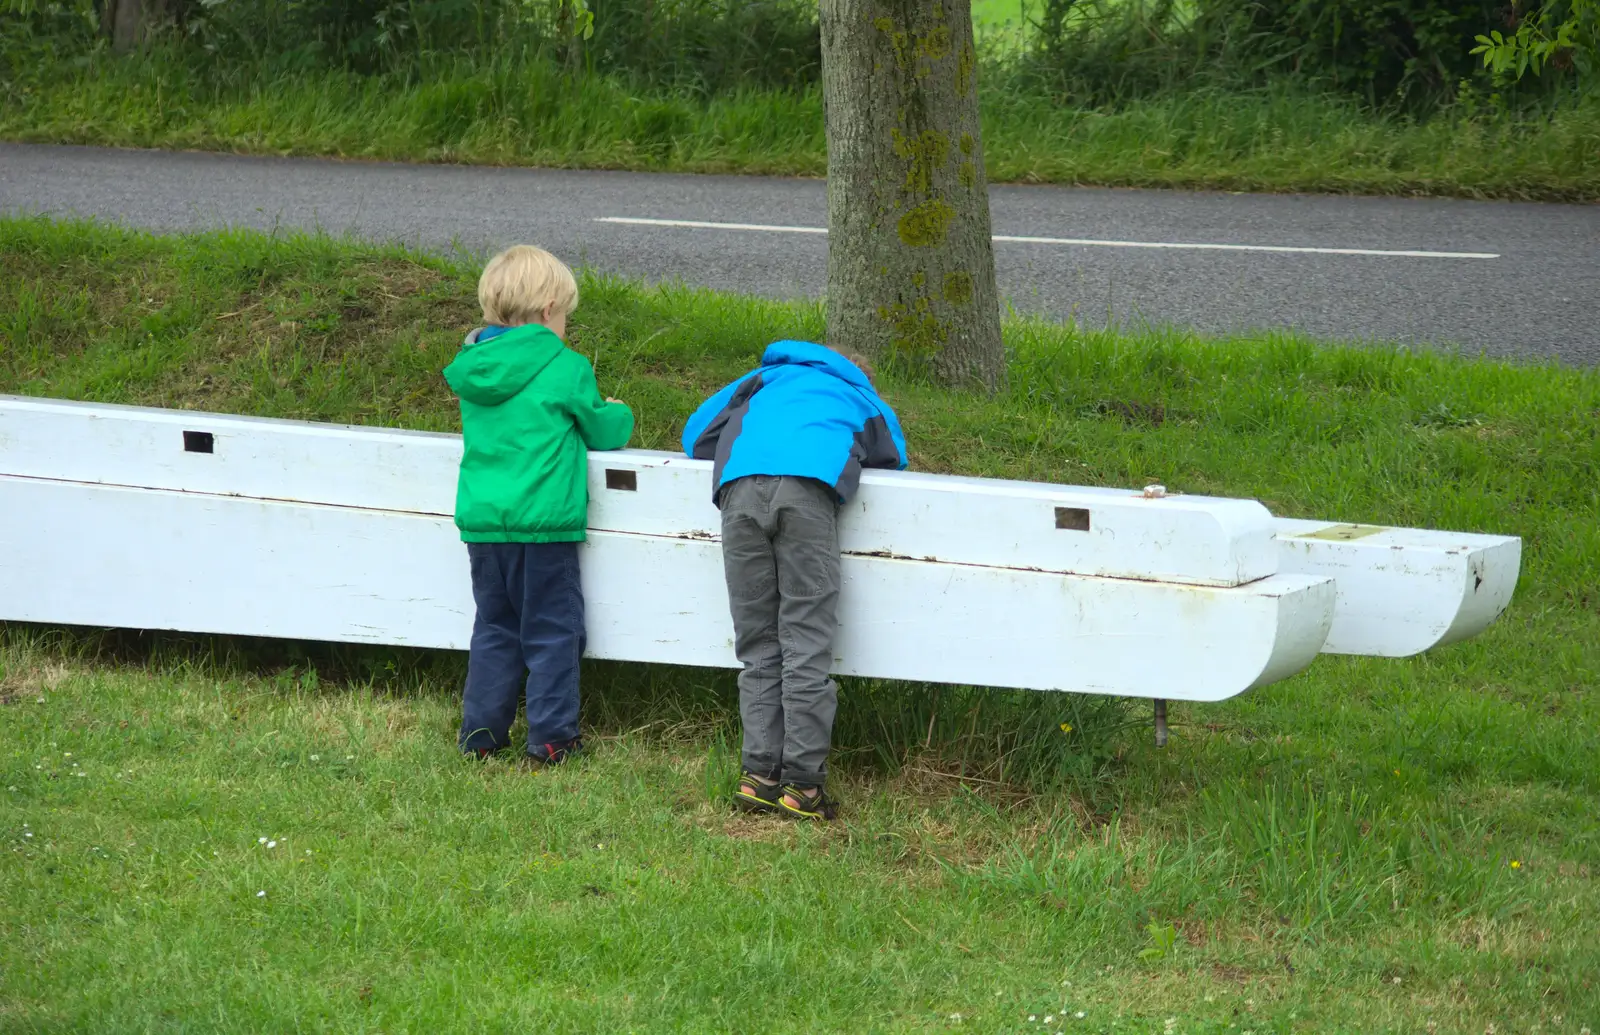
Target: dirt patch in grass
x,y
30,679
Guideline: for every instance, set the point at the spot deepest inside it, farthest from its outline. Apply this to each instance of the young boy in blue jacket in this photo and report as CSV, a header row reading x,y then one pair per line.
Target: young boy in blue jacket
x,y
789,440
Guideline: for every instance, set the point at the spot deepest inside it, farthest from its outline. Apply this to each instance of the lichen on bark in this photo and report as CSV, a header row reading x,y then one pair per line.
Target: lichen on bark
x,y
917,333
965,65
924,154
927,224
958,287
897,40
934,45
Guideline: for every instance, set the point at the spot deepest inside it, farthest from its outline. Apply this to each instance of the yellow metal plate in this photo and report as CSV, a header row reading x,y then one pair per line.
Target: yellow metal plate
x,y
1344,533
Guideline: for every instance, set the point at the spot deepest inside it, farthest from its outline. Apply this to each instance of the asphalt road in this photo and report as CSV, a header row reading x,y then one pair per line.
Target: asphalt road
x,y
1537,296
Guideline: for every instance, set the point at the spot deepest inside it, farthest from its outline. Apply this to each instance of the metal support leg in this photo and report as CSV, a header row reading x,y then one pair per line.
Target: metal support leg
x,y
1161,723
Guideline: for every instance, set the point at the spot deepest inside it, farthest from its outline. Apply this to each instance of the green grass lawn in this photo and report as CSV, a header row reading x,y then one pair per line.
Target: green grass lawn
x,y
999,14
1372,846
504,113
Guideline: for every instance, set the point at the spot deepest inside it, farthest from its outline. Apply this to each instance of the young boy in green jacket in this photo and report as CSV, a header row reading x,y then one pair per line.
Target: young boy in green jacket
x,y
530,411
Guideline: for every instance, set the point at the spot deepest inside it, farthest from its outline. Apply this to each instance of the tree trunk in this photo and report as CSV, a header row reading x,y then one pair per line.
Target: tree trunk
x,y
910,260
130,23
570,28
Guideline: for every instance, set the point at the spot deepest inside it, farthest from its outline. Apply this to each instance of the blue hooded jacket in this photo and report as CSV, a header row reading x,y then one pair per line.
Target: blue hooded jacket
x,y
806,412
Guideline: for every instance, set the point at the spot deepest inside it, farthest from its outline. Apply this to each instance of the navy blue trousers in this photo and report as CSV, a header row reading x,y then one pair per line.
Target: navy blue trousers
x,y
526,642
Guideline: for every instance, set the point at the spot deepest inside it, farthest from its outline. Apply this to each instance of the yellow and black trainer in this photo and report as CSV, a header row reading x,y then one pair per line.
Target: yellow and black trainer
x,y
799,802
755,795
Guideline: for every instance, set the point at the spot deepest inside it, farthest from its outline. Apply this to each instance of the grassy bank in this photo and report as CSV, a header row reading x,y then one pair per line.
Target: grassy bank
x,y
1371,846
1273,139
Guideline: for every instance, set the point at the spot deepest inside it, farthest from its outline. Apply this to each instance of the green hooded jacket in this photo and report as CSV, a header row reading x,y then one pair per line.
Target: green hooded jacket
x,y
530,411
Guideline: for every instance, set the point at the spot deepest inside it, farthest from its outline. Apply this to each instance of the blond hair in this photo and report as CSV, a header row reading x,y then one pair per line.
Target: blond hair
x,y
862,363
520,283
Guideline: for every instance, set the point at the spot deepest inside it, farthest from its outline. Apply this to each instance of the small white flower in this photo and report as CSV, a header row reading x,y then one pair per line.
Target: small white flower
x,y
349,758
272,844
1250,1003
66,754
1397,980
1032,1017
1049,1018
956,1017
261,894
1583,1031
308,851
316,758
1080,1015
27,833
261,840
38,767
41,700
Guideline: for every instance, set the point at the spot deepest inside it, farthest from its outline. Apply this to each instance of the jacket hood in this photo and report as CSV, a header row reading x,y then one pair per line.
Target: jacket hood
x,y
810,354
491,368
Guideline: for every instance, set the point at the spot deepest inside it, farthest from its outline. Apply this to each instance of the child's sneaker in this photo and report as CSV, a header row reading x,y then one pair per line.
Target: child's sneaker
x,y
755,795
556,753
800,802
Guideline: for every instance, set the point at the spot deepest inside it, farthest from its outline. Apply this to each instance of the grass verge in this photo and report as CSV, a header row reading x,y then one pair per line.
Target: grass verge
x,y
1371,846
505,113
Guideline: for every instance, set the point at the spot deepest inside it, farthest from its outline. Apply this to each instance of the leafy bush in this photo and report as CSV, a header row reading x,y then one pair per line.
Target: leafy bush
x,y
1378,48
707,44
1386,52
1560,34
718,44
1411,54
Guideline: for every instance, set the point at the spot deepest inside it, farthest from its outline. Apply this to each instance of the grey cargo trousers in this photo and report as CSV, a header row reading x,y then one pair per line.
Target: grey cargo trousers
x,y
780,551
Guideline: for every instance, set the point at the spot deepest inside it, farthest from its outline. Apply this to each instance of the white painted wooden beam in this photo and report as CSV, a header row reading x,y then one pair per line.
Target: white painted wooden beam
x,y
1118,533
1400,591
1403,590
85,554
